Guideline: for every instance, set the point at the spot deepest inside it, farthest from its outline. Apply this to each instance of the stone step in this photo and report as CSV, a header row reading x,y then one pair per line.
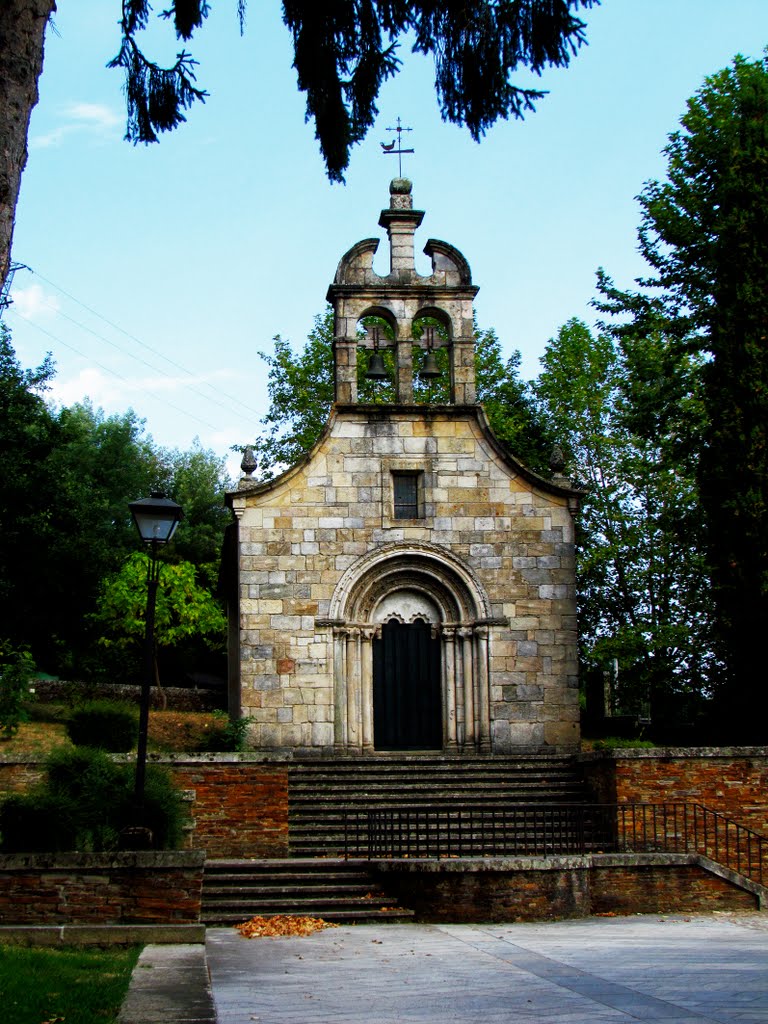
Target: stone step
x,y
390,797
258,890
389,913
236,890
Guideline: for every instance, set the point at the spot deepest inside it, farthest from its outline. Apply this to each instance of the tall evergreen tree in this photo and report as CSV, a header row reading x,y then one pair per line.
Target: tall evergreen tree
x,y
704,233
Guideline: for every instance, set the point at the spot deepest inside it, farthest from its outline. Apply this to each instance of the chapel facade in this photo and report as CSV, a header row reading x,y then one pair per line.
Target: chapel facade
x,y
409,584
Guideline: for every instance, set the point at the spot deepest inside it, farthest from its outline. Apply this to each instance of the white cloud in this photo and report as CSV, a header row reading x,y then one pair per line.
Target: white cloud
x,y
95,119
33,303
94,115
104,390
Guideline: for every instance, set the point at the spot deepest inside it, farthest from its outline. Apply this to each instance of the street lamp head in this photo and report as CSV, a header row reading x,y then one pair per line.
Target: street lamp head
x,y
156,518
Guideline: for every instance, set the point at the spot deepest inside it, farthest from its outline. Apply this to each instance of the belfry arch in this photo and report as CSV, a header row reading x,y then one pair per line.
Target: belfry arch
x,y
412,584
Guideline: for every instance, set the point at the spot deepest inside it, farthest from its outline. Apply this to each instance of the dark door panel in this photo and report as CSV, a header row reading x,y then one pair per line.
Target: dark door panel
x,y
406,688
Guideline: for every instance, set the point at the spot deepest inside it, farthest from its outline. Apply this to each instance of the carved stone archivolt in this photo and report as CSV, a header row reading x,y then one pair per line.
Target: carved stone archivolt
x,y
409,584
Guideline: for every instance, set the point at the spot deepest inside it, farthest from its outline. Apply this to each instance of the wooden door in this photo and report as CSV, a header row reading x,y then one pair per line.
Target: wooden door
x,y
407,711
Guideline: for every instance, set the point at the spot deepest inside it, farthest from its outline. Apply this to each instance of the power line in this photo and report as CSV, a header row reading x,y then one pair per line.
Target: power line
x,y
113,373
149,348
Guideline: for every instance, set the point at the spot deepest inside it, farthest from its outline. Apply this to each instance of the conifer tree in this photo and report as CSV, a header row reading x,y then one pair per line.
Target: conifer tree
x,y
704,233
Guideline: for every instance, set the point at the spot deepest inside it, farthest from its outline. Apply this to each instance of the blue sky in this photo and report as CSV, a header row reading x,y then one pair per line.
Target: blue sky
x,y
160,272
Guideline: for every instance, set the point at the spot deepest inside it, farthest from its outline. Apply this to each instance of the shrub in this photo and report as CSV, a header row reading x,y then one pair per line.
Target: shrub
x,y
105,724
17,670
621,743
37,822
86,802
227,733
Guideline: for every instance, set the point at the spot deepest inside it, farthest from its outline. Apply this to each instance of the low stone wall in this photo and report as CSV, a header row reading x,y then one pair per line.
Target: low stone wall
x,y
19,773
101,889
554,888
239,804
733,781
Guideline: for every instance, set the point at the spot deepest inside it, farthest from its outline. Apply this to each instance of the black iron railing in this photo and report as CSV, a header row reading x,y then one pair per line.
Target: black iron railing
x,y
692,828
464,831
544,830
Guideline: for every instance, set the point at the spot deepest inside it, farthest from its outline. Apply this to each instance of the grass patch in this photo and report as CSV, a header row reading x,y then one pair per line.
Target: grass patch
x,y
36,738
64,985
617,743
169,732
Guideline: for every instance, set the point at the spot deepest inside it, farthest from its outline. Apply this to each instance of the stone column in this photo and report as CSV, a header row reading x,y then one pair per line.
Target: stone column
x,y
366,686
450,738
340,690
345,369
468,681
483,696
354,737
404,371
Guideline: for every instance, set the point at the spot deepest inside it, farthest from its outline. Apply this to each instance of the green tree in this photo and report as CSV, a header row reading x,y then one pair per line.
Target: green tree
x,y
197,479
96,466
343,52
641,592
66,479
185,610
704,233
300,389
17,670
27,437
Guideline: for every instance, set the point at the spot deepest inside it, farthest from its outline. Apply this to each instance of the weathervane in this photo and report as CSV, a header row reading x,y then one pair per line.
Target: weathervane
x,y
395,147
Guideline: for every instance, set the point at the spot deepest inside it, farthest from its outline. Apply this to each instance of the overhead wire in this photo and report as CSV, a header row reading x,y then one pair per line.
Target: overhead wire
x,y
160,355
111,372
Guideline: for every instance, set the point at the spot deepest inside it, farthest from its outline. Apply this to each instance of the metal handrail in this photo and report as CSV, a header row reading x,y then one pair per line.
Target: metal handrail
x,y
544,830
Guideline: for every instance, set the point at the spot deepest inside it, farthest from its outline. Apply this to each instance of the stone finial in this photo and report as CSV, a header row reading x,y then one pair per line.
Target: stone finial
x,y
249,463
557,461
400,197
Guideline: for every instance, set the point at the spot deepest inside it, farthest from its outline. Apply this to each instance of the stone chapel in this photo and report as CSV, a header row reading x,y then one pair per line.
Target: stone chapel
x,y
409,584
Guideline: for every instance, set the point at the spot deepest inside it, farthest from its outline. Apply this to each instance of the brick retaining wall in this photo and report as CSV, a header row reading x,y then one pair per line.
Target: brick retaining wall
x,y
500,890
240,804
92,888
240,801
731,781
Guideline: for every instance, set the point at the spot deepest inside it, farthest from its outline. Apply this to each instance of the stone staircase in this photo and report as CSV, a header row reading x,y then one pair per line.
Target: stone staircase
x,y
321,793
336,891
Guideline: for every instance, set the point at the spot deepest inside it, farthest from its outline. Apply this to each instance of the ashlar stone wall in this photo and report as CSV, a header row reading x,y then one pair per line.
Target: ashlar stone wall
x,y
488,563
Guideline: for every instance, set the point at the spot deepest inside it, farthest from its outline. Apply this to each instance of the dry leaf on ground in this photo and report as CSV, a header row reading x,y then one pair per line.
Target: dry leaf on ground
x,y
282,924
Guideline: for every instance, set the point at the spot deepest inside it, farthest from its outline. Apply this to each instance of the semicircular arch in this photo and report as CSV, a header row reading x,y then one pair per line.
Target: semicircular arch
x,y
446,582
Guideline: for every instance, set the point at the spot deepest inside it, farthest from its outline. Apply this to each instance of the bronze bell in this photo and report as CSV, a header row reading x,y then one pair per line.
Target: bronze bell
x,y
430,369
376,368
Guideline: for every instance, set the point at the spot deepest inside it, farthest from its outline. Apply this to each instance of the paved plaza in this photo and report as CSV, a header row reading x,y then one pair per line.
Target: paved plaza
x,y
682,969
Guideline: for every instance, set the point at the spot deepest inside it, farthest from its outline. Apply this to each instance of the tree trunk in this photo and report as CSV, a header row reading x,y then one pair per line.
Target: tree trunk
x,y
22,32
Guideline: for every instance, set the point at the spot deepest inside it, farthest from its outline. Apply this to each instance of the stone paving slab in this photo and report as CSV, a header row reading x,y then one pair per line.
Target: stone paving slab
x,y
169,985
657,969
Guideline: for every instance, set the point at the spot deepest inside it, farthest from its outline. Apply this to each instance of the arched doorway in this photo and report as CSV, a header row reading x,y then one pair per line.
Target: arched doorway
x,y
396,608
407,712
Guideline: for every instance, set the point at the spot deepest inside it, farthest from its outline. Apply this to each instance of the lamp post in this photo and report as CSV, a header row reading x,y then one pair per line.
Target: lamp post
x,y
156,519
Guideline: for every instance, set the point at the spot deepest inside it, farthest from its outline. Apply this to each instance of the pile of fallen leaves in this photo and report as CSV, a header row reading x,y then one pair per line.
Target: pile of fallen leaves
x,y
282,924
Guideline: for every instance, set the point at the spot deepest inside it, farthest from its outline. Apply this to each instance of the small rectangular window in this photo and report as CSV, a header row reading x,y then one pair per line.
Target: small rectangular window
x,y
406,494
